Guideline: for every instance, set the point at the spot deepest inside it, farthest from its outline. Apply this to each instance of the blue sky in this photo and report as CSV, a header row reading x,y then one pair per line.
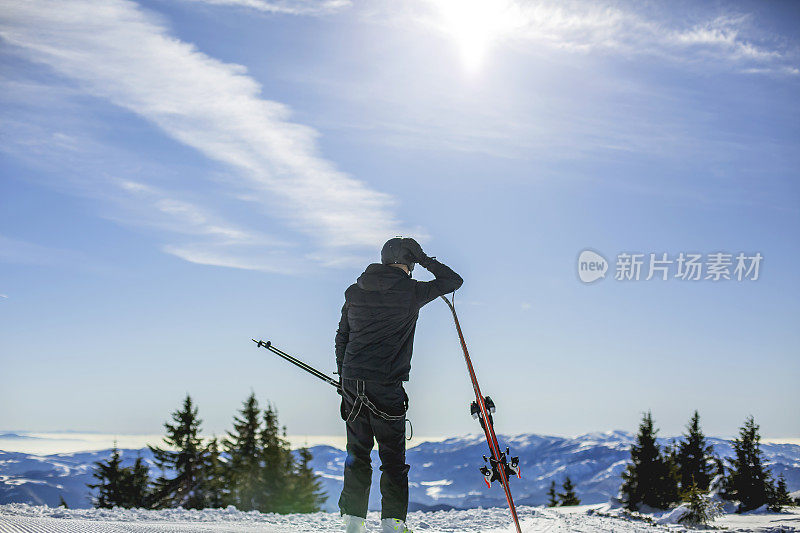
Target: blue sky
x,y
178,177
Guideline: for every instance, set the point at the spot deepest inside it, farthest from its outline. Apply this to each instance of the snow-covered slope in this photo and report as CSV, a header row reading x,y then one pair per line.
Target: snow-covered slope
x,y
443,474
19,518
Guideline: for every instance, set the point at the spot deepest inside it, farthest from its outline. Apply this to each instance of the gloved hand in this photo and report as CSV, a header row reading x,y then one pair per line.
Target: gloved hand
x,y
416,252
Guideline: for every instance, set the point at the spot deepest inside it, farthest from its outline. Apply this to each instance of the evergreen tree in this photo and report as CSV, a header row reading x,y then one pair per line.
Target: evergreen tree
x,y
278,461
718,481
670,484
62,502
183,456
568,496
694,458
137,485
216,482
262,473
244,451
702,509
648,479
111,481
747,481
307,494
552,498
779,496
120,486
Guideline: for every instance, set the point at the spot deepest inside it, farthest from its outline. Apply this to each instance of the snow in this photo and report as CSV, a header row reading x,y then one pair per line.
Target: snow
x,y
788,521
674,516
759,520
24,518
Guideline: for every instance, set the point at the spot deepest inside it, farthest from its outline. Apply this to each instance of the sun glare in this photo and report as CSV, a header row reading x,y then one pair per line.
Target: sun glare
x,y
475,25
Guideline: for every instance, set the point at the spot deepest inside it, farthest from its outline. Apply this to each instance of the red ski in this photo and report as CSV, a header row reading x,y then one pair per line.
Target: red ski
x,y
501,466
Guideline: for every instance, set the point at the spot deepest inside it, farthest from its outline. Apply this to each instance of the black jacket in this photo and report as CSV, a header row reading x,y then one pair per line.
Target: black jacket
x,y
376,333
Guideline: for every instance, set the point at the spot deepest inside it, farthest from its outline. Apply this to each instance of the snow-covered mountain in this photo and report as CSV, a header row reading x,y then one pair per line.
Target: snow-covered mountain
x,y
43,479
443,474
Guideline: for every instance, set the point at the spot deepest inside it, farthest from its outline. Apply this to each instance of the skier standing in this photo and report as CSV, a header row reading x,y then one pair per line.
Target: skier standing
x,y
373,355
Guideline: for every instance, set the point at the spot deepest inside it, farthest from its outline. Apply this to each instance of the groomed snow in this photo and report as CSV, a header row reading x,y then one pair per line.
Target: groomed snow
x,y
23,518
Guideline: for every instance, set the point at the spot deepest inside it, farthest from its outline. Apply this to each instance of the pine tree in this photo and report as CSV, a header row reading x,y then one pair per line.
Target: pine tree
x,y
110,484
552,498
262,473
568,496
278,461
216,482
307,494
244,451
137,485
747,481
718,481
779,496
784,498
670,484
694,458
702,509
120,486
184,457
648,479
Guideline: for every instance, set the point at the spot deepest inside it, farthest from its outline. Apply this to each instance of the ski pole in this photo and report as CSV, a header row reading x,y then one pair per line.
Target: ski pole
x,y
297,362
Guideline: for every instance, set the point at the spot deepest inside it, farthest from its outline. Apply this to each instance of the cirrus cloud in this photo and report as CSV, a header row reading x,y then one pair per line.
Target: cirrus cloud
x,y
286,7
119,52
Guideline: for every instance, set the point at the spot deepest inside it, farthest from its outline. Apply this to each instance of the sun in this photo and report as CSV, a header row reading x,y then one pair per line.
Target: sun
x,y
475,25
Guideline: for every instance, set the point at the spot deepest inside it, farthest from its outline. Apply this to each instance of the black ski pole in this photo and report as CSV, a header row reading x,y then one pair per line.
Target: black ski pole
x,y
297,362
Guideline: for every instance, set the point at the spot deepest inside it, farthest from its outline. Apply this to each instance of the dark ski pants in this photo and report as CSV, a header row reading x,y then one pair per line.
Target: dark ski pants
x,y
363,428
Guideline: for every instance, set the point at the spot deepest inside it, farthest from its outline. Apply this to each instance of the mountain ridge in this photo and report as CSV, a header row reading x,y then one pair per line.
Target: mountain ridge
x,y
444,474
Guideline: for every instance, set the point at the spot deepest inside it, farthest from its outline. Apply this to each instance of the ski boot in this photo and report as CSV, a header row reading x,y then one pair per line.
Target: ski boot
x,y
394,525
354,524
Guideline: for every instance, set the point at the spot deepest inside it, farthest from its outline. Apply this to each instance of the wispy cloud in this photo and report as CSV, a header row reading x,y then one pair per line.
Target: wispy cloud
x,y
117,51
217,242
179,216
288,7
609,27
3,296
553,86
181,225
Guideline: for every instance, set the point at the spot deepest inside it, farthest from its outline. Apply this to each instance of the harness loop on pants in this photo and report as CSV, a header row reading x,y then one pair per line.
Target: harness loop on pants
x,y
362,400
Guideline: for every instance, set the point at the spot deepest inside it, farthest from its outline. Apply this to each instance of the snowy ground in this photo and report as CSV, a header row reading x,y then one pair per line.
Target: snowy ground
x,y
25,518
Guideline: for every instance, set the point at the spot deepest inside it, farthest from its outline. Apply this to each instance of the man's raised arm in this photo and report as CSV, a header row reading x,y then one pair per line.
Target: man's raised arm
x,y
446,280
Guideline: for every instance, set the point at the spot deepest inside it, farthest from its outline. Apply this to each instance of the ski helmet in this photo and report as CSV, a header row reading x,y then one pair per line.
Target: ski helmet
x,y
395,252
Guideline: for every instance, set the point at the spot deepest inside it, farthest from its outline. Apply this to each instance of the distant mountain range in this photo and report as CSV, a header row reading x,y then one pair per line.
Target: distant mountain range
x,y
443,474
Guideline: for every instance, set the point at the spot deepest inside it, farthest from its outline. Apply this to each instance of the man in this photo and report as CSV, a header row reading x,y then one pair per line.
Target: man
x,y
373,354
